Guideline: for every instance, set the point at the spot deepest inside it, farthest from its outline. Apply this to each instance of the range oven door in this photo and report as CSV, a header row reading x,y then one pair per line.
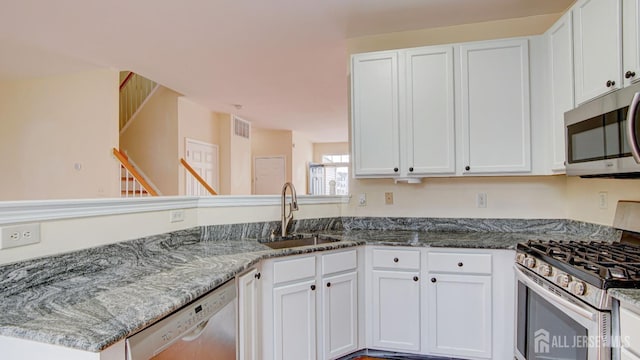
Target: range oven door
x,y
552,325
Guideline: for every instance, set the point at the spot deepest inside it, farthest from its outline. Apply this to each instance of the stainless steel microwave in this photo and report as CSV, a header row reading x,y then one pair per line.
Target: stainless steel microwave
x,y
602,136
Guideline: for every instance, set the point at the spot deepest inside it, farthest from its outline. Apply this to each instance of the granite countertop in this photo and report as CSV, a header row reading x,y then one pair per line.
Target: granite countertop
x,y
629,296
93,298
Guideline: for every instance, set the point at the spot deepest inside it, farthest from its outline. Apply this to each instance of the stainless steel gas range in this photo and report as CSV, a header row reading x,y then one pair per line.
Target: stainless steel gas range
x,y
564,311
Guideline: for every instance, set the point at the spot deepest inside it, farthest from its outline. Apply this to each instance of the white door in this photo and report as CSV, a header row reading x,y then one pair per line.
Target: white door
x,y
375,103
459,313
269,175
248,323
294,319
597,41
203,158
340,315
560,41
496,125
429,128
396,310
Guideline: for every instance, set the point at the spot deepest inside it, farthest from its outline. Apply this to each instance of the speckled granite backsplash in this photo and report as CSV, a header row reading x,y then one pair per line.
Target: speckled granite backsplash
x,y
531,226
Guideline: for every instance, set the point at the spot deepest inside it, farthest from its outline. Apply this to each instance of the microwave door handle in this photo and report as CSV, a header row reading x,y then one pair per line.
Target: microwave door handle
x,y
553,298
631,127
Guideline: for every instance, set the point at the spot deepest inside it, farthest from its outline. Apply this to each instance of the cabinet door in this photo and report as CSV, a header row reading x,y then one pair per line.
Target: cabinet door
x,y
294,320
597,46
495,104
429,127
560,41
459,313
340,315
396,310
374,96
248,324
630,38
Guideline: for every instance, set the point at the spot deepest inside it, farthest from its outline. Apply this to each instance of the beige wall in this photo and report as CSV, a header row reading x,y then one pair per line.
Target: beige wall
x,y
267,142
151,140
47,125
235,159
583,197
335,148
507,197
197,123
301,156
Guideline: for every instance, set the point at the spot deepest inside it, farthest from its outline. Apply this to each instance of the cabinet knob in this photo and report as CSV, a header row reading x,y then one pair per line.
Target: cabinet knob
x,y
257,275
415,278
610,83
313,287
411,169
433,280
460,264
328,284
395,169
467,168
629,74
396,259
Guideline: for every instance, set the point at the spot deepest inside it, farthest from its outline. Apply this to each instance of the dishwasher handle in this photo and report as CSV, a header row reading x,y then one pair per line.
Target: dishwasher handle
x,y
196,332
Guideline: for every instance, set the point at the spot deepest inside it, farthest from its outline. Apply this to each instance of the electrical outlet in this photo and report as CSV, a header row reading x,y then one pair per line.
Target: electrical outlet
x,y
481,200
362,199
388,198
176,216
603,200
19,235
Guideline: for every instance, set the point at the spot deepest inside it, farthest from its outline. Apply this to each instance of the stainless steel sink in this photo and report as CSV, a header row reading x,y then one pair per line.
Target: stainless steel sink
x,y
298,240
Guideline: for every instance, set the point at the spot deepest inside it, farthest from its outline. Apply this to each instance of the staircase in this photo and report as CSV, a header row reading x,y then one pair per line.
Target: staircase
x,y
135,90
132,182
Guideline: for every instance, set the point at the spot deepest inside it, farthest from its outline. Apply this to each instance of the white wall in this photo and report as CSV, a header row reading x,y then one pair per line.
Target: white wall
x,y
301,156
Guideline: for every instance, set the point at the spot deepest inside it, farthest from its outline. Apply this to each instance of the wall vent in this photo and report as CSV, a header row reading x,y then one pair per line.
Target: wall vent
x,y
241,127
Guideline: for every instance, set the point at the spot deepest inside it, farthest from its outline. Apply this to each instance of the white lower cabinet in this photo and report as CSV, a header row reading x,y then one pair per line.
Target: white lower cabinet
x,y
310,306
396,308
393,299
629,330
459,311
294,320
248,319
340,315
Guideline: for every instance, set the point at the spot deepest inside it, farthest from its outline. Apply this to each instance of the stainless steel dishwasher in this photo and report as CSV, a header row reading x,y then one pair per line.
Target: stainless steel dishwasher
x,y
204,329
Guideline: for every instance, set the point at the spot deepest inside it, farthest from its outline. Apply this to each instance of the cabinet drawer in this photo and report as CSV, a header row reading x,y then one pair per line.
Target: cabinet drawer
x,y
341,261
459,263
294,269
396,259
629,328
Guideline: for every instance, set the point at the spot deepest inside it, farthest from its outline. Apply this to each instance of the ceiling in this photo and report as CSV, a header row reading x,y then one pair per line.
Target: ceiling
x,y
284,61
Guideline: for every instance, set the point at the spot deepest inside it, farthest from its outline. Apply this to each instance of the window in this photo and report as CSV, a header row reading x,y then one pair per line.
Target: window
x,y
331,177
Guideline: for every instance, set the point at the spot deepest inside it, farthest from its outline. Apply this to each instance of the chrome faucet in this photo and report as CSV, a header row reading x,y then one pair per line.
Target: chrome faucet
x,y
293,206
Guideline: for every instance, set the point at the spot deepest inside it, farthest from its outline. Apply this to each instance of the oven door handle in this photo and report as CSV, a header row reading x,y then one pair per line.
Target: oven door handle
x,y
553,298
631,127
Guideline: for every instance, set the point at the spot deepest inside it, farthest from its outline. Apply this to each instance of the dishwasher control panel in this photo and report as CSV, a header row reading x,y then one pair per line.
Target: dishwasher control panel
x,y
185,323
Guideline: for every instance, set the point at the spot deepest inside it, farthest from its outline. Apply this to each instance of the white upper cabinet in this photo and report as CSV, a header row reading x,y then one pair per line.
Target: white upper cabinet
x,y
429,126
630,38
375,127
560,40
597,47
495,107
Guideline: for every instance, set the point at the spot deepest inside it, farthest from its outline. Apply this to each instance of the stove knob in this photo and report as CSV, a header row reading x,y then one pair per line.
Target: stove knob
x,y
577,288
520,258
563,280
530,262
545,270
